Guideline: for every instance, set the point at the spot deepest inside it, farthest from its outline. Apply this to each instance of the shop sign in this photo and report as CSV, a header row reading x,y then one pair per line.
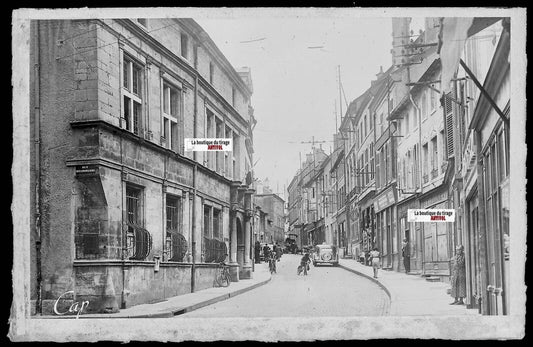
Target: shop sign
x,y
385,200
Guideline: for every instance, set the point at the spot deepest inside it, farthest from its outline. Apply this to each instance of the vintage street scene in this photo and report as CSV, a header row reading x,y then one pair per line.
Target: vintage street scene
x,y
186,168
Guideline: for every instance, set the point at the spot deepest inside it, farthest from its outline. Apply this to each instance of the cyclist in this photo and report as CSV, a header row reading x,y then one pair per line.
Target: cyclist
x,y
304,262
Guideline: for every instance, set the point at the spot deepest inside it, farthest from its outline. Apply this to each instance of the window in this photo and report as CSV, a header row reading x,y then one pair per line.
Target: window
x,y
233,97
433,100
184,45
372,160
407,123
219,156
132,94
423,105
170,116
207,221
371,121
175,243
425,159
227,159
365,126
217,223
138,240
435,157
211,72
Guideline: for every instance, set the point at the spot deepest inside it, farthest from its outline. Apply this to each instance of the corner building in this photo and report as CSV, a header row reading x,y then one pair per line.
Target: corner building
x,y
123,215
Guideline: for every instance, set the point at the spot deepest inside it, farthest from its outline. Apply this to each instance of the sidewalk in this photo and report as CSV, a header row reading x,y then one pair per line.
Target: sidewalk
x,y
410,295
184,303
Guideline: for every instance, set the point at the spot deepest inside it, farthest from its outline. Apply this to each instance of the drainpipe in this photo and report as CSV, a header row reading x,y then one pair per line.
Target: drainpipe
x,y
124,237
419,140
37,134
194,174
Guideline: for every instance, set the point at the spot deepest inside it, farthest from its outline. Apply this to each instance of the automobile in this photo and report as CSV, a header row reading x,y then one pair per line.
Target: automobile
x,y
325,254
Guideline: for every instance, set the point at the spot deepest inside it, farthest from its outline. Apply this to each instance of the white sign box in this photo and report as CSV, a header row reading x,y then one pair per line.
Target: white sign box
x,y
208,145
431,215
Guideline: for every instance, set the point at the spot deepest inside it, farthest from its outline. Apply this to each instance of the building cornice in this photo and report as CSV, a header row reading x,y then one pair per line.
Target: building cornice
x,y
99,123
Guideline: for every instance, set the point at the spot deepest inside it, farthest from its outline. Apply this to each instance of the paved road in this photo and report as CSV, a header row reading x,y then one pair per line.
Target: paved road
x,y
325,291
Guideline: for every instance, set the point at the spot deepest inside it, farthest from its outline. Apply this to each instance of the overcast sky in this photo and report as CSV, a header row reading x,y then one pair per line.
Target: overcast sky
x,y
295,87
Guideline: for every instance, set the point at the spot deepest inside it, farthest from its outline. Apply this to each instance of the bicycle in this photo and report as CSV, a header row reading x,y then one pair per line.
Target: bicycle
x,y
303,268
223,277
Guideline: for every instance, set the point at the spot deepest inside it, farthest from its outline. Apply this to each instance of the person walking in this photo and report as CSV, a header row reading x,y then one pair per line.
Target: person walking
x,y
406,254
458,278
374,255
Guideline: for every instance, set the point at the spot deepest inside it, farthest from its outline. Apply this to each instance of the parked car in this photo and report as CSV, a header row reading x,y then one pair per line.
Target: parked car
x,y
325,254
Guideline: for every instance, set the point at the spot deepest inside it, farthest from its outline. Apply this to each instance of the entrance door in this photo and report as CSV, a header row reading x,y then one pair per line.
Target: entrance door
x,y
240,244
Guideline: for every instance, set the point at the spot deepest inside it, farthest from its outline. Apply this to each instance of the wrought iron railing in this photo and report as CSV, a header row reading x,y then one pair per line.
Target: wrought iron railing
x,y
425,178
434,173
214,250
177,246
138,242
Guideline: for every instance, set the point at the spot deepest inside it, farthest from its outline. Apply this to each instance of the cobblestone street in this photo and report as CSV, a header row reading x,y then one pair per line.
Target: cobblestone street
x,y
325,291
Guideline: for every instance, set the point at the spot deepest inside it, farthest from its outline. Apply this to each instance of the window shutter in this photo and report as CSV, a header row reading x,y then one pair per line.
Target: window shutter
x,y
448,123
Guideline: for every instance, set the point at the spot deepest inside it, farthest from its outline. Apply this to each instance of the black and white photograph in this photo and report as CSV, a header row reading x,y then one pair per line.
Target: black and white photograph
x,y
268,174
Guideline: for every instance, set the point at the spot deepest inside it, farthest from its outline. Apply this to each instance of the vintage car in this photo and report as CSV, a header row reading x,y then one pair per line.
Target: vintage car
x,y
325,254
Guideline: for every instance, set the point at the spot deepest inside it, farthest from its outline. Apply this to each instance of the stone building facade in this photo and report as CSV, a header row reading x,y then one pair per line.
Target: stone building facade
x,y
124,215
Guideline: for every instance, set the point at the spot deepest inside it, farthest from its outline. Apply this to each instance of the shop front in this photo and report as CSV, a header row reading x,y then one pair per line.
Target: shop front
x,y
385,209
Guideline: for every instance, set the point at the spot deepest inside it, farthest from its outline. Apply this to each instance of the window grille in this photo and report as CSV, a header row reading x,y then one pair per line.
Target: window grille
x,y
214,250
138,241
178,245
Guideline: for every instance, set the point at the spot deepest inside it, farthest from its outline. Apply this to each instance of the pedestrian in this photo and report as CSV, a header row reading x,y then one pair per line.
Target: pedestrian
x,y
266,252
257,249
374,255
406,254
304,263
279,253
458,278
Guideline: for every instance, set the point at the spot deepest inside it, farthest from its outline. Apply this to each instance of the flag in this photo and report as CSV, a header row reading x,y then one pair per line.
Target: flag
x,y
452,37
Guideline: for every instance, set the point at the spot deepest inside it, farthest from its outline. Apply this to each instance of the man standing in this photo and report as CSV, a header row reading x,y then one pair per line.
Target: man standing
x,y
406,254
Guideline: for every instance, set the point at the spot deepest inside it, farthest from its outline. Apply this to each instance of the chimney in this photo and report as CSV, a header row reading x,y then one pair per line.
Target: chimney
x,y
400,37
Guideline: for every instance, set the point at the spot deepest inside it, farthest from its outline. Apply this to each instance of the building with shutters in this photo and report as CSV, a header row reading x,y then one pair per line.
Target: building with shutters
x,y
422,154
481,155
123,214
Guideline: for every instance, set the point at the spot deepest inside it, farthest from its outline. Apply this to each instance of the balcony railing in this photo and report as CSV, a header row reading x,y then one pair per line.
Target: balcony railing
x,y
425,178
434,173
443,166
